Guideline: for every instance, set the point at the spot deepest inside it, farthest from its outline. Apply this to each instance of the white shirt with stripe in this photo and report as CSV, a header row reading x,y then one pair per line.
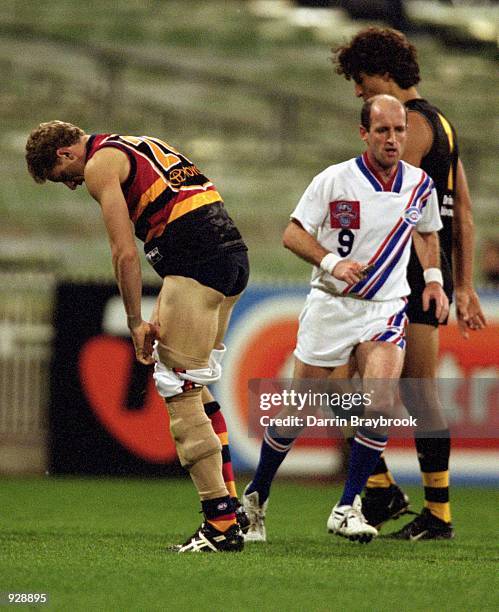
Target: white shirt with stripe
x,y
354,214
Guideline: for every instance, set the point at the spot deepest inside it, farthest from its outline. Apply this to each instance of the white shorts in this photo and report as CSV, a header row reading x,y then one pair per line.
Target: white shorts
x,y
330,327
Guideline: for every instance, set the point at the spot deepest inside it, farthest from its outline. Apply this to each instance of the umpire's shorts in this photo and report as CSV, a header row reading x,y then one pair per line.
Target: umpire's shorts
x,y
415,312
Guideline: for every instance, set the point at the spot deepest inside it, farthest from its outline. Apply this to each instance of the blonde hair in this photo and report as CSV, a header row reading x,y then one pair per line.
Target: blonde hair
x,y
42,145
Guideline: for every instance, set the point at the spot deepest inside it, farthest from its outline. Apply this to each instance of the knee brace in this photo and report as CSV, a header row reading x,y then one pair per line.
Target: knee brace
x,y
183,372
191,429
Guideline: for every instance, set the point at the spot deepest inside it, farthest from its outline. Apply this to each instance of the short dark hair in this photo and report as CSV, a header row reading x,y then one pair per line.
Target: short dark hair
x,y
365,113
42,145
379,51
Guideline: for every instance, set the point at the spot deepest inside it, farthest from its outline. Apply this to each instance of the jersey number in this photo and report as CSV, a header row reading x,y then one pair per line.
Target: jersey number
x,y
345,238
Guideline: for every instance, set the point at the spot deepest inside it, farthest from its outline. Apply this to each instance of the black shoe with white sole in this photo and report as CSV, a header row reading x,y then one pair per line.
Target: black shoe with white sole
x,y
209,539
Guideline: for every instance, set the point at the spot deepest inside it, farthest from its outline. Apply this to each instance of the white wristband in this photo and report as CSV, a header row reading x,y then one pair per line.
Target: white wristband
x,y
329,262
433,275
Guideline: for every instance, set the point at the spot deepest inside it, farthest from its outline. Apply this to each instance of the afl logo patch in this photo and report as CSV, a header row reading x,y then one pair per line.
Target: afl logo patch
x,y
412,215
345,214
153,256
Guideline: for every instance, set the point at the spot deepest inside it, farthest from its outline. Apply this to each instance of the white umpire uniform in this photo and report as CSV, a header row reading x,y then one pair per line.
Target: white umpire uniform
x,y
354,214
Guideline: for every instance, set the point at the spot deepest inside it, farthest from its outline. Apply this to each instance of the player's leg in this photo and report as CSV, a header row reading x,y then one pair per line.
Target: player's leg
x,y
327,334
273,451
381,480
320,349
420,397
380,363
189,320
214,412
383,499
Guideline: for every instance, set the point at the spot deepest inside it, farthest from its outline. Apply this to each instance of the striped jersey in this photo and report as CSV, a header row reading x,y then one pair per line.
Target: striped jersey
x,y
353,213
163,185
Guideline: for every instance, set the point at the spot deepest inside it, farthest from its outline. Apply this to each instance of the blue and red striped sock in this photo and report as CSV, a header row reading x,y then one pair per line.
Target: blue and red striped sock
x,y
272,454
366,451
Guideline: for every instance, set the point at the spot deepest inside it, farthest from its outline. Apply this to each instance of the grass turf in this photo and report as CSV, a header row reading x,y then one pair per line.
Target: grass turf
x,y
101,545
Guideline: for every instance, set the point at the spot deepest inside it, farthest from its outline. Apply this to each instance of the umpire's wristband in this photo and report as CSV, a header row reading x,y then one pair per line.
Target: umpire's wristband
x,y
329,262
433,275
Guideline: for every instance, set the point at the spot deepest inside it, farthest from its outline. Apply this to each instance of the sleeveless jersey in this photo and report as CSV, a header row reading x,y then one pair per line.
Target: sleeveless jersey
x,y
176,210
354,214
441,164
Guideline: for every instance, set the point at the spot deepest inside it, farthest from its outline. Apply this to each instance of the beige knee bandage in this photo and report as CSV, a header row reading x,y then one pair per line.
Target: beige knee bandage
x,y
191,428
175,359
207,477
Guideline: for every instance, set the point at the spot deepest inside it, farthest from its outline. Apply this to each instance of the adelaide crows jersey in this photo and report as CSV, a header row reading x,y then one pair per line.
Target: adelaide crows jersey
x,y
354,214
176,210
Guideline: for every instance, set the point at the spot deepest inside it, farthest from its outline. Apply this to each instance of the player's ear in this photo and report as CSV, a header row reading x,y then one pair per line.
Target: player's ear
x,y
363,133
65,152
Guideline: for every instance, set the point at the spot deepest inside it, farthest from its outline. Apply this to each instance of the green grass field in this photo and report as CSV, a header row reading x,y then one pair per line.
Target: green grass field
x,y
101,545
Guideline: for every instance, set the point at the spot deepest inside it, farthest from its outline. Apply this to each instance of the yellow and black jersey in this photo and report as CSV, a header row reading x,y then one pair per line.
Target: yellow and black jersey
x,y
170,200
441,164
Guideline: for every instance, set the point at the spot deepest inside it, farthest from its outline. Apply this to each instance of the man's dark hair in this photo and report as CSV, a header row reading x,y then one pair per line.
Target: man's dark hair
x,y
365,113
379,51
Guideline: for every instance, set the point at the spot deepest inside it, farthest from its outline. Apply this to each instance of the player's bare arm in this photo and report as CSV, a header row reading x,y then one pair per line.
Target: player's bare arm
x,y
419,142
305,246
419,138
103,176
468,310
430,260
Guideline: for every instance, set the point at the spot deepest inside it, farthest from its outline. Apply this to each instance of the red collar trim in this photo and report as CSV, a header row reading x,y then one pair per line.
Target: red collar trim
x,y
386,184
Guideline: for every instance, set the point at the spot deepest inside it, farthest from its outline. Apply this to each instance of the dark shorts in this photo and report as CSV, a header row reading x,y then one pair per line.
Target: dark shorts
x,y
415,277
227,272
204,245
